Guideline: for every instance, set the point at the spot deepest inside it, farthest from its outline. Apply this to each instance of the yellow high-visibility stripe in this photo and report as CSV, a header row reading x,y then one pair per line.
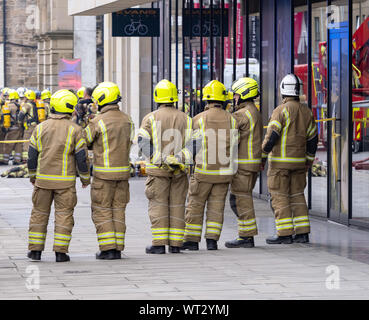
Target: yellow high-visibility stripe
x,y
283,220
62,236
144,133
37,234
247,161
285,132
38,134
112,169
302,218
156,156
290,159
106,235
89,135
275,123
194,226
246,222
289,226
80,143
204,147
66,151
193,233
188,130
247,228
214,224
33,141
56,177
214,172
251,136
211,230
105,143
132,137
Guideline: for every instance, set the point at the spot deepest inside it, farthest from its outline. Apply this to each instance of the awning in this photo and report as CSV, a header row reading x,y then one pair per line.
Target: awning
x,y
100,7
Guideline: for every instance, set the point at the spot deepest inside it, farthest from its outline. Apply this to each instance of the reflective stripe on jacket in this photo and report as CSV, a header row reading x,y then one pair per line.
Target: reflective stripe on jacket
x,y
250,128
57,141
111,134
169,131
216,130
295,125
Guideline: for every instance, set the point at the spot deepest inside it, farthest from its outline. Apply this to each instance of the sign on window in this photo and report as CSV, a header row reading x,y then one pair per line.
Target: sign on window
x,y
136,23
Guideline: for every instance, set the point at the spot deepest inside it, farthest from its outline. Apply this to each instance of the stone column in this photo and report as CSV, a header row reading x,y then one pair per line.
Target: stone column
x,y
85,47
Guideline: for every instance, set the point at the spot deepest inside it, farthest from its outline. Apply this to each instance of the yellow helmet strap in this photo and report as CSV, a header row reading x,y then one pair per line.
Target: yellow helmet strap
x,y
107,104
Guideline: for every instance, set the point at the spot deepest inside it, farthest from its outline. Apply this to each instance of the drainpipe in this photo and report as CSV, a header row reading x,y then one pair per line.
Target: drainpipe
x,y
4,40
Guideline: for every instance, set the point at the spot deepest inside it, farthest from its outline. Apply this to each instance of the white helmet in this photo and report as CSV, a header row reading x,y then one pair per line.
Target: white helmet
x,y
291,86
21,91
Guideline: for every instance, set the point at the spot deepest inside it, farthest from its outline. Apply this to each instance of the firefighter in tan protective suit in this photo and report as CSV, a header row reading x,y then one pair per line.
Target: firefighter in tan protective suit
x,y
14,130
250,127
167,182
110,135
57,151
45,97
216,139
291,142
29,117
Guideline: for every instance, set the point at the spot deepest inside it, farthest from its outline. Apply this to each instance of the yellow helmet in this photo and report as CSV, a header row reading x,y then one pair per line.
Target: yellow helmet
x,y
81,92
63,101
13,95
46,94
30,95
247,88
216,91
106,93
230,95
5,91
165,92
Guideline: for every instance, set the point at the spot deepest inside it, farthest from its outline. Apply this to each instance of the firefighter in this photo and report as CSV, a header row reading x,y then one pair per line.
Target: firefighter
x,y
110,135
86,109
28,116
250,127
291,142
45,97
4,122
21,91
215,132
167,181
14,131
57,152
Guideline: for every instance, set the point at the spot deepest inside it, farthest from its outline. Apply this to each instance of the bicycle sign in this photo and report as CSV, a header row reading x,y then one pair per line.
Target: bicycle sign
x,y
140,22
136,26
213,23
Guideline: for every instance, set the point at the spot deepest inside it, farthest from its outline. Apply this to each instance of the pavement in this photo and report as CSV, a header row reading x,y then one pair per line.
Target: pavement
x,y
333,266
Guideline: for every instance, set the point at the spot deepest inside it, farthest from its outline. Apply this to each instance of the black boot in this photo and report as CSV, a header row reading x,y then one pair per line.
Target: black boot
x,y
279,240
190,245
34,255
301,238
155,250
106,255
118,254
61,257
174,249
241,242
211,244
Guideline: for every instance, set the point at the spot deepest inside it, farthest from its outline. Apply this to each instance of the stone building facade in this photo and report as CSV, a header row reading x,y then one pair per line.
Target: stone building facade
x,y
18,68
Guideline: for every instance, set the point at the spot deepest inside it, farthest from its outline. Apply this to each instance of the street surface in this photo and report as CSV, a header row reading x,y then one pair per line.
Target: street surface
x,y
333,266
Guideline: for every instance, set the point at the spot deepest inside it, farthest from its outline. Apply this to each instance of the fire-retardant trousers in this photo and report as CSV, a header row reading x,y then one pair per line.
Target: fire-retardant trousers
x,y
13,134
214,196
167,200
288,201
64,200
242,203
109,199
